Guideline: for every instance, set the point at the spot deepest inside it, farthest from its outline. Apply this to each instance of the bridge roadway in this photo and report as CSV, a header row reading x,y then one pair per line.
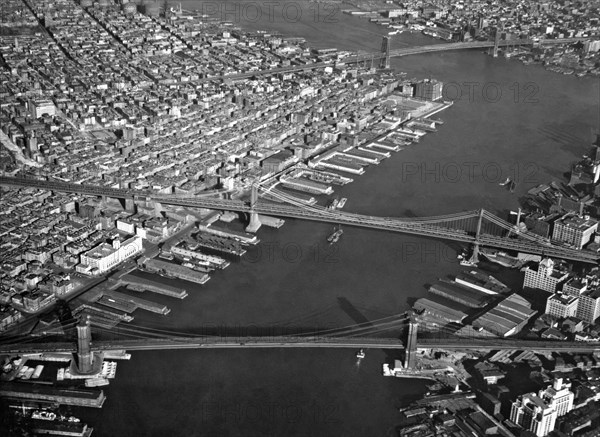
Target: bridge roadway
x,y
220,342
458,343
416,226
212,343
393,53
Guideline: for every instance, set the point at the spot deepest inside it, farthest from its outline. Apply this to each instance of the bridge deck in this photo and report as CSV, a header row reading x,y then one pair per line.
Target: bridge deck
x,y
435,227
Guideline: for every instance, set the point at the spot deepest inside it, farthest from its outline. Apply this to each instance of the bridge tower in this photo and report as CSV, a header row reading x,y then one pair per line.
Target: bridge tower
x,y
497,41
475,255
88,362
410,351
385,51
255,223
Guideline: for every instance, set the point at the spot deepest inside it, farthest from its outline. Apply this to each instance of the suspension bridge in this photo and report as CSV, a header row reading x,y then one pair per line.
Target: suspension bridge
x,y
386,53
477,227
382,333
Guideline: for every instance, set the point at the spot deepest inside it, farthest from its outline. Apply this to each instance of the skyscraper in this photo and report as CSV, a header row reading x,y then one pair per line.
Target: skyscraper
x,y
533,414
559,396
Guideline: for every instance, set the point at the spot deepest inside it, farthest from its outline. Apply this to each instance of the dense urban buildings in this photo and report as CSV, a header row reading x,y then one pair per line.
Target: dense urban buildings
x,y
140,108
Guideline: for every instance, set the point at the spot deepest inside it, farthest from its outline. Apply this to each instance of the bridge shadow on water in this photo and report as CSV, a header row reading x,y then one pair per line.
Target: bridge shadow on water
x,y
352,312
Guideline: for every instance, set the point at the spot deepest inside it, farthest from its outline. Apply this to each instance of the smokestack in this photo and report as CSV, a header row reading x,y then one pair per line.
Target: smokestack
x,y
581,209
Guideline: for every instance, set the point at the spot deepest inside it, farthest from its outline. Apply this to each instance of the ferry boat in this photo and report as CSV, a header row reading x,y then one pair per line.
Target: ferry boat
x,y
335,236
342,203
360,354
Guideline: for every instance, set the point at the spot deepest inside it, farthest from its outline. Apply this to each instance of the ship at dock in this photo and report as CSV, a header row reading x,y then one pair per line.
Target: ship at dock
x,y
502,258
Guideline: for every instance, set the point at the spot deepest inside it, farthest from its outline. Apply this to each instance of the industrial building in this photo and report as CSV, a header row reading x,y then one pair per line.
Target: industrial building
x,y
507,318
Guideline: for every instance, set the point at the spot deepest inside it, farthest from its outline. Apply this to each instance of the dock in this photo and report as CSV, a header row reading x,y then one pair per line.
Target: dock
x,y
172,270
272,222
124,299
137,283
45,393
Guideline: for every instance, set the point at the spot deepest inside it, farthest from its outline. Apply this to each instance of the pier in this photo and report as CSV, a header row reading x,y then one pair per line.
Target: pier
x,y
36,392
137,302
137,283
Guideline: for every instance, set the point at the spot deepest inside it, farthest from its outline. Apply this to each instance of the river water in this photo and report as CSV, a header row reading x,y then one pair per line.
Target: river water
x,y
508,120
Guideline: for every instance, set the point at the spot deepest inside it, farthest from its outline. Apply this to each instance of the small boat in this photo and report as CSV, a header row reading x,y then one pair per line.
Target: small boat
x,y
360,354
512,186
468,263
333,204
505,183
335,236
342,203
43,415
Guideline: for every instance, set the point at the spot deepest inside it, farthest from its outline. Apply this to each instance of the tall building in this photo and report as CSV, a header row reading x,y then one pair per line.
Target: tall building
x,y
429,90
588,292
547,276
588,308
574,230
559,396
562,305
532,413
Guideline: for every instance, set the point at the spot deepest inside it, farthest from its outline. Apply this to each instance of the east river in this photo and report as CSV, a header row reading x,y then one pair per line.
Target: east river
x,y
508,120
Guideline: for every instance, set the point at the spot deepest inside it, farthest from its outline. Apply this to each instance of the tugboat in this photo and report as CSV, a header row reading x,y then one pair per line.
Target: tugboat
x,y
465,260
335,236
468,263
360,354
333,204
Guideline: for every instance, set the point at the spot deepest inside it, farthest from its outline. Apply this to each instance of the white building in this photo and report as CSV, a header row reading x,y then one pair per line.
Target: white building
x,y
106,256
588,292
546,277
41,107
532,413
559,396
588,308
574,230
561,305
